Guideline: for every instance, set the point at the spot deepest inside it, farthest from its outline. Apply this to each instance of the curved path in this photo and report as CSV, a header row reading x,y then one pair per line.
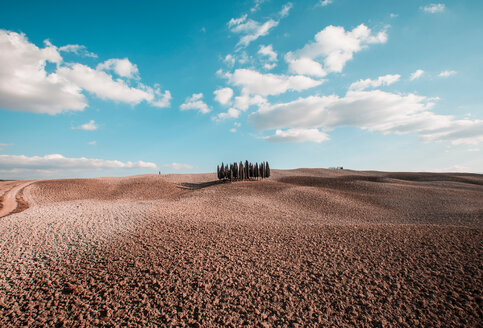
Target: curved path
x,y
10,199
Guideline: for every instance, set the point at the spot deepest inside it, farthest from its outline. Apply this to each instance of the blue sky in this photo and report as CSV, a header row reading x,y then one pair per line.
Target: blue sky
x,y
119,88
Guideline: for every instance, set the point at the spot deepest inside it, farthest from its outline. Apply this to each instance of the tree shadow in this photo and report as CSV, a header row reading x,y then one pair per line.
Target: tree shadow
x,y
196,186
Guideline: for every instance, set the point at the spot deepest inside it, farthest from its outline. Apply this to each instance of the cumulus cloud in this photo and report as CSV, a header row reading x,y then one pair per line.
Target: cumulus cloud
x,y
447,73
122,67
250,30
334,47
304,65
269,54
375,111
78,50
416,75
195,102
434,8
179,166
92,143
298,135
245,101
381,80
161,100
25,85
231,113
229,59
458,132
223,95
103,86
59,162
256,83
89,126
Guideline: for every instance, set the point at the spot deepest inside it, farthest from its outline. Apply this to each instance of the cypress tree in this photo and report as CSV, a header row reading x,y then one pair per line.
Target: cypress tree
x,y
218,171
262,170
255,171
247,175
241,171
267,171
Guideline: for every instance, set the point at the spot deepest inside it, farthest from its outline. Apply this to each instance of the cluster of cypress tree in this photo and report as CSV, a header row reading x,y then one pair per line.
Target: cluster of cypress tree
x,y
243,171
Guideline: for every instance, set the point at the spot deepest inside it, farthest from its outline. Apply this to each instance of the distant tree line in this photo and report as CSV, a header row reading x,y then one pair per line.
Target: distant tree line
x,y
243,171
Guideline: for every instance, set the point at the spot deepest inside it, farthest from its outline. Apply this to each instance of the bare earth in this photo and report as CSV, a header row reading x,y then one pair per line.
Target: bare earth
x,y
305,248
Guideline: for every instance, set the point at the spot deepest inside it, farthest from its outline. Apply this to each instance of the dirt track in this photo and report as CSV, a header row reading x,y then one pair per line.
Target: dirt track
x,y
305,248
11,190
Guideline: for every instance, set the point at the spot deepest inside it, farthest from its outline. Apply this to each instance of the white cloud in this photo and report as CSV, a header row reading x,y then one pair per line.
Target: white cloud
x,y
434,8
268,51
233,130
229,59
458,132
304,66
223,95
103,86
244,58
392,15
179,166
250,30
25,85
237,21
298,135
93,142
122,67
24,82
325,2
78,50
335,47
90,126
231,113
163,100
416,75
195,102
447,73
457,169
286,9
59,162
257,5
375,111
381,80
244,101
256,83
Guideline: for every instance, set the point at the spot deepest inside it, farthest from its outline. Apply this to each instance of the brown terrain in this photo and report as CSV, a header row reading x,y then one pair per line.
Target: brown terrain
x,y
304,248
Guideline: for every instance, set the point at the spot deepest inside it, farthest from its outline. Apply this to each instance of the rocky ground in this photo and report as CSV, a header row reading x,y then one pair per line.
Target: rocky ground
x,y
305,248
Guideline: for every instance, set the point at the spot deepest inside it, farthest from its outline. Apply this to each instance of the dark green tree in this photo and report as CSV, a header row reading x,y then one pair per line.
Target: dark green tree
x,y
255,171
267,171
